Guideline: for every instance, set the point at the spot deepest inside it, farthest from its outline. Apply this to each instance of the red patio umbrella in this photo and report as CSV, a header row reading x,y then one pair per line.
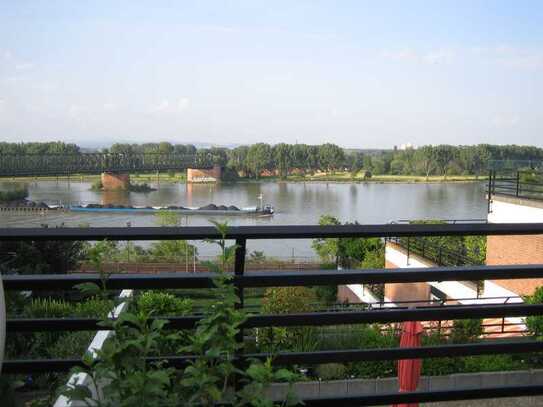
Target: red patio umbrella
x,y
409,369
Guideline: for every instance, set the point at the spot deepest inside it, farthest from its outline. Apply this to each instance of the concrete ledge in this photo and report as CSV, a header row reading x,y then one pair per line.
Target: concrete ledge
x,y
360,387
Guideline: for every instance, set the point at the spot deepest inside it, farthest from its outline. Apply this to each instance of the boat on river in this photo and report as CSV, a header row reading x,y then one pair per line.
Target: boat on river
x,y
211,209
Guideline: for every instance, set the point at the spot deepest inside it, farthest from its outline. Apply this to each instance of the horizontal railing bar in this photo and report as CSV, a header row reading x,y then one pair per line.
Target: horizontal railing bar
x,y
304,319
333,277
427,396
276,278
270,232
311,358
346,356
393,315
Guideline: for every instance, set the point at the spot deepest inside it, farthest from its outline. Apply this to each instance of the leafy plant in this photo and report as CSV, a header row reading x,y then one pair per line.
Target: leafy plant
x,y
466,330
331,371
285,300
122,376
163,304
97,254
535,322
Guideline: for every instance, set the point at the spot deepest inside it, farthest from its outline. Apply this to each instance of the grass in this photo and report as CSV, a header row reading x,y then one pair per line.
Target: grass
x,y
345,176
341,176
152,177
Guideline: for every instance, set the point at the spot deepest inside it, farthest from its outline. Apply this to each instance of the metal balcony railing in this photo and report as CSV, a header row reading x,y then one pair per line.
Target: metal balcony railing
x,y
526,184
243,280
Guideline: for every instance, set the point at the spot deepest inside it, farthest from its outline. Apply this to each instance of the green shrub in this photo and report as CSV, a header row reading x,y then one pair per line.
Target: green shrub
x,y
94,307
439,366
331,371
70,345
372,337
48,308
490,363
466,330
163,304
327,294
535,323
287,300
13,195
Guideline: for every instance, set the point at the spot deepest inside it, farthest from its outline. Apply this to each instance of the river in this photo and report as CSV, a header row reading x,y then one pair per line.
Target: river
x,y
295,203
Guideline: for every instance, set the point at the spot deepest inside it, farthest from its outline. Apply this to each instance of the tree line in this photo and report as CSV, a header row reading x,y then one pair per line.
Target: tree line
x,y
286,159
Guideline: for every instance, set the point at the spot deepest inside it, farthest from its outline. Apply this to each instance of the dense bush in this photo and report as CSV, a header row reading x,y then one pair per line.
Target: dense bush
x,y
373,337
535,322
163,304
331,371
13,195
466,330
287,300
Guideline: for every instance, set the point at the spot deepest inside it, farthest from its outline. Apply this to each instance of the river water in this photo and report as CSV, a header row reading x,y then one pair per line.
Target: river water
x,y
295,204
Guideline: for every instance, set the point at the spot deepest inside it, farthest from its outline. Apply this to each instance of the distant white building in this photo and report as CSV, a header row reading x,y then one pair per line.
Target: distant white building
x,y
407,146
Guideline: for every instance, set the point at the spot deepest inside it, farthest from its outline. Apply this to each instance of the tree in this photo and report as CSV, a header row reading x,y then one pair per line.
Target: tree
x,y
331,157
426,160
41,257
327,249
282,159
443,155
259,157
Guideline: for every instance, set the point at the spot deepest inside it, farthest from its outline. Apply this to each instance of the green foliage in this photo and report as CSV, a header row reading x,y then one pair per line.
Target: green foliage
x,y
327,249
126,378
326,294
448,250
120,375
97,185
491,363
373,337
257,257
13,195
345,252
535,322
439,366
7,391
142,187
466,330
429,160
98,254
163,304
42,257
167,218
331,371
287,300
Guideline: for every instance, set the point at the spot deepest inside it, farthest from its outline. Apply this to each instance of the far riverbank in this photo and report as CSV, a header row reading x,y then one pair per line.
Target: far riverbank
x,y
344,177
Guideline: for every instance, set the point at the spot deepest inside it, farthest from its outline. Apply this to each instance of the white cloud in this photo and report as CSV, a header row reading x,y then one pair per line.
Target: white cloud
x,y
505,120
529,59
442,56
25,66
167,106
109,107
432,57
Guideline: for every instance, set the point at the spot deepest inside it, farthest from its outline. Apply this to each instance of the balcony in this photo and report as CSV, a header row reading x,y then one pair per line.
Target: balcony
x,y
302,361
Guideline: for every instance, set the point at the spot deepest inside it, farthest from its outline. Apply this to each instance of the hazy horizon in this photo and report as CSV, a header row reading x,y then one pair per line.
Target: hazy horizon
x,y
354,73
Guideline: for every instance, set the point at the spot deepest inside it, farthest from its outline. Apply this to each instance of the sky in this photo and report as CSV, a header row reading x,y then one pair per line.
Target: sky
x,y
361,74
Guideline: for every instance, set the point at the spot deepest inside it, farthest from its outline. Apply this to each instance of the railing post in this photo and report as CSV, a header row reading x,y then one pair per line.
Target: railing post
x,y
489,190
239,269
518,183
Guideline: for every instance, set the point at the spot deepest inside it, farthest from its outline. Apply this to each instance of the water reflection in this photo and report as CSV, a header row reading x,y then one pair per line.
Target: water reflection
x,y
296,203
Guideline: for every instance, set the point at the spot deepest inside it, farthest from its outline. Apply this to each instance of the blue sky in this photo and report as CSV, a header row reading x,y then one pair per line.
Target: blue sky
x,y
358,73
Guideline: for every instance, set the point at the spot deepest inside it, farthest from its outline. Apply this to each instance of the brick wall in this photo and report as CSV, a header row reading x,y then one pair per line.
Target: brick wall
x,y
345,294
516,250
111,181
204,175
397,292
